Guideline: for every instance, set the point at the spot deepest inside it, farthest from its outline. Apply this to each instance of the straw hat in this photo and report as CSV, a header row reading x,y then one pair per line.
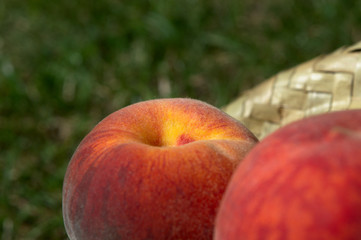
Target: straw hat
x,y
327,83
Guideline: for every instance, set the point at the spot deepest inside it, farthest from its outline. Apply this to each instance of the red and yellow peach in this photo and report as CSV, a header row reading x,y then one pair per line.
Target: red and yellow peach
x,y
301,182
153,170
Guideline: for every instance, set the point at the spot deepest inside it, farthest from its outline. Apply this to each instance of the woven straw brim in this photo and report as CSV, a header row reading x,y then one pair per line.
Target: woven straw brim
x,y
327,83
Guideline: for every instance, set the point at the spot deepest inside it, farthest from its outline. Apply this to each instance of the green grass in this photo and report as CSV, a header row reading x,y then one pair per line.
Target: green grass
x,y
66,65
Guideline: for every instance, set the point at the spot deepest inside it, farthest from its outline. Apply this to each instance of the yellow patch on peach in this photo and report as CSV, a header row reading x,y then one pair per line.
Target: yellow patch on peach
x,y
179,124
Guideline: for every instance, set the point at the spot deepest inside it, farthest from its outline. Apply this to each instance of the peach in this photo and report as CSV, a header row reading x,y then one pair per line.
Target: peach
x,y
153,170
301,182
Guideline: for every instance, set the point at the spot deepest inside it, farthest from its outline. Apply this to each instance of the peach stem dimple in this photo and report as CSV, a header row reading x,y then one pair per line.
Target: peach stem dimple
x,y
184,139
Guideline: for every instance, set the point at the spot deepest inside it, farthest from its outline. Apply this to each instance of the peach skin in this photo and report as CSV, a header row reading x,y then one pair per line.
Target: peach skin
x,y
301,182
153,170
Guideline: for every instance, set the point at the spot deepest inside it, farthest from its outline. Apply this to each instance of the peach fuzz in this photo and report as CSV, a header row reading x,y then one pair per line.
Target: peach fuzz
x,y
301,182
153,170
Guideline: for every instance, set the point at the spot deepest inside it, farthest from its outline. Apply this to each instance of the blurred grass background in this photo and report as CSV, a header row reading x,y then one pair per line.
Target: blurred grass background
x,y
65,65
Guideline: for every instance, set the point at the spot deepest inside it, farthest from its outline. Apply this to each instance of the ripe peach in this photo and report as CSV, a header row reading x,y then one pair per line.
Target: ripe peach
x,y
153,170
301,182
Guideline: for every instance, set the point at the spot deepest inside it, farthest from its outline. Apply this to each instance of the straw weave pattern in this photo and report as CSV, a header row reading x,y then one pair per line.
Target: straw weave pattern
x,y
327,83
